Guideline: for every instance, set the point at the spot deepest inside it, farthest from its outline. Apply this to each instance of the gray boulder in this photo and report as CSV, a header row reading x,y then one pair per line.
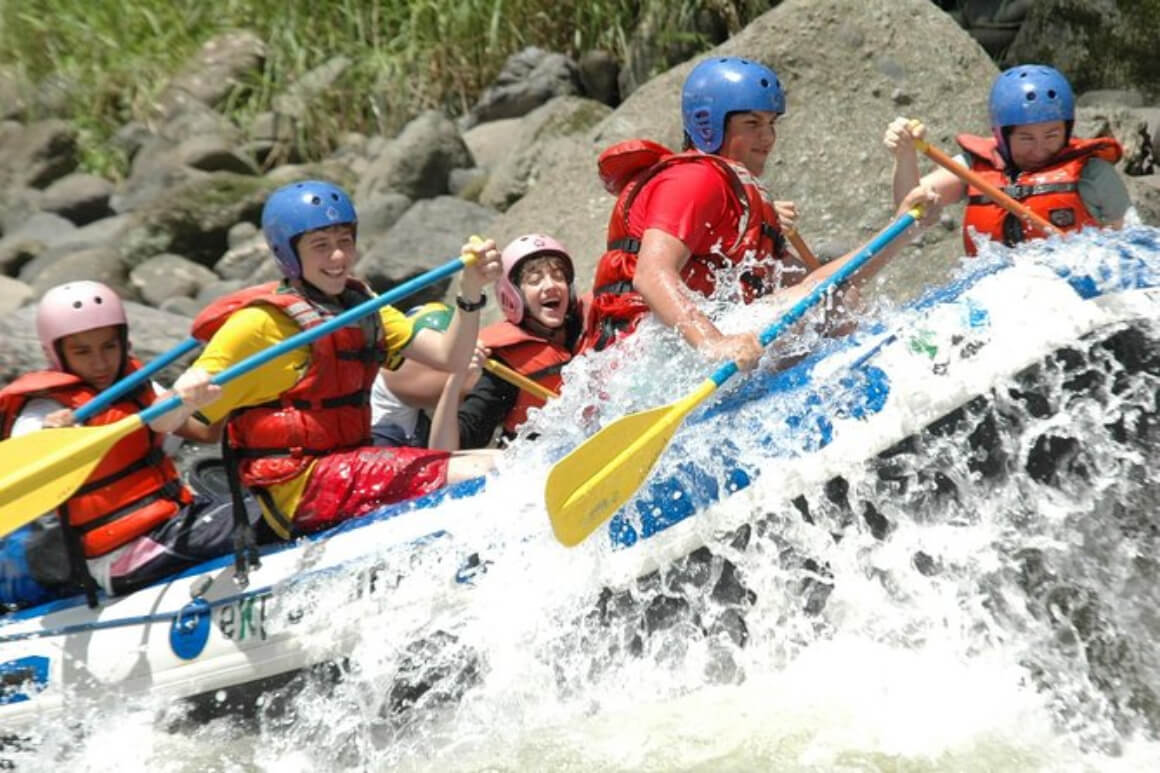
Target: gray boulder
x,y
15,90
82,198
181,306
598,72
20,351
1145,193
528,79
1127,126
101,264
419,160
211,292
490,143
839,67
240,233
242,260
560,118
211,74
213,153
38,154
429,233
378,214
1097,44
154,171
194,219
13,294
302,93
169,276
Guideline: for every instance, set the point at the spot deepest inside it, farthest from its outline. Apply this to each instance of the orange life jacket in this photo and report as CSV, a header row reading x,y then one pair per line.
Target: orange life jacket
x,y
625,168
133,490
1051,192
537,358
328,409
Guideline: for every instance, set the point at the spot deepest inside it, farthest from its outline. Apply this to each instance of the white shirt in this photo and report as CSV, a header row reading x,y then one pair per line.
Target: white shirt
x,y
388,409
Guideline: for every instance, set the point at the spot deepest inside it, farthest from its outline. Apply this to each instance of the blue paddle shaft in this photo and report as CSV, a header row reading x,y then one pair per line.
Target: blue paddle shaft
x,y
133,380
314,333
876,245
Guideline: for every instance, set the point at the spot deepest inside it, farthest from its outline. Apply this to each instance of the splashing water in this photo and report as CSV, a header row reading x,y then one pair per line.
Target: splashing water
x,y
981,595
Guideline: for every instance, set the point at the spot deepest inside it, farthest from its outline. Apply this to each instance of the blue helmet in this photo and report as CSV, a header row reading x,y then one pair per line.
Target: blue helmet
x,y
723,85
1031,93
294,209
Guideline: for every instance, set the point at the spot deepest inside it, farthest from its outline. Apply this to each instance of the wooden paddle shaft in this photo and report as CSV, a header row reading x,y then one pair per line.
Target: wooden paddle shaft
x,y
799,245
993,193
519,380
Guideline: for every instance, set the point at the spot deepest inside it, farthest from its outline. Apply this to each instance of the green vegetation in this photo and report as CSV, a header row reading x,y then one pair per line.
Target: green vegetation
x,y
108,60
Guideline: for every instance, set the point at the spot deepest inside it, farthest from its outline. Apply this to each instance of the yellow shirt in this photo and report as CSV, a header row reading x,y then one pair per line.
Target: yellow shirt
x,y
256,328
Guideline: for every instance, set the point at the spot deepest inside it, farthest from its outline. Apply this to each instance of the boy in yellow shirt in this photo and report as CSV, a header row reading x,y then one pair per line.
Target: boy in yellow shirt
x,y
299,427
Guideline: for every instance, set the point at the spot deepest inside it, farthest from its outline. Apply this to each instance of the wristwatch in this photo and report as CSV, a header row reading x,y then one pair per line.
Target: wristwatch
x,y
467,305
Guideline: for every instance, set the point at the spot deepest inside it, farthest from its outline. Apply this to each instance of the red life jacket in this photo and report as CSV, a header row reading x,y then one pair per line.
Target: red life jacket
x,y
135,487
1051,192
625,168
537,358
328,409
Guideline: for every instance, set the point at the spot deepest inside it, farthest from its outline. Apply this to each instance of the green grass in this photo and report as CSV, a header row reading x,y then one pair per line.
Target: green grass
x,y
115,56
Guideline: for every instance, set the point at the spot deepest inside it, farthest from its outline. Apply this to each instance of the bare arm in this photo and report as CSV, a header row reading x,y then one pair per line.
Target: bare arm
x,y
899,140
445,422
451,350
416,384
194,429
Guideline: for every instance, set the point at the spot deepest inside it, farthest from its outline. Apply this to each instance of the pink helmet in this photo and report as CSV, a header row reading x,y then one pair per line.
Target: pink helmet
x,y
511,299
74,308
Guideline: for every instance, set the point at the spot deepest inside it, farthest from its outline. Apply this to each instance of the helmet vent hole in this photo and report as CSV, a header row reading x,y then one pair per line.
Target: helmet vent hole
x,y
1051,94
315,200
1031,96
764,83
98,300
76,304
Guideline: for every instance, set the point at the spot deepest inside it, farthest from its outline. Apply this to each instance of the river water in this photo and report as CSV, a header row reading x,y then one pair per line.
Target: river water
x,y
982,598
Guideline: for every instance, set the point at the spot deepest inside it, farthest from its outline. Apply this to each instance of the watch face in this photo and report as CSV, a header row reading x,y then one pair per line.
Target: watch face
x,y
1062,217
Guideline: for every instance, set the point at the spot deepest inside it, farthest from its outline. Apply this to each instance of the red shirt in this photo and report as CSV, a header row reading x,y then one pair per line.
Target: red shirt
x,y
691,202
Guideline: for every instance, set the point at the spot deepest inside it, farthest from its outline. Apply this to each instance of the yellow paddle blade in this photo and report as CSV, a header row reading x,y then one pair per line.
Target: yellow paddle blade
x,y
589,485
40,470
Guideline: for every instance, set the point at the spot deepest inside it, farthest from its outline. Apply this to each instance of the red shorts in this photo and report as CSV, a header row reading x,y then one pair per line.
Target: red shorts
x,y
353,483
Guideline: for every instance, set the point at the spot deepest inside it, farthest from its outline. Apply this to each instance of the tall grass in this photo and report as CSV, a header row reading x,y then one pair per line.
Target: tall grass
x,y
112,58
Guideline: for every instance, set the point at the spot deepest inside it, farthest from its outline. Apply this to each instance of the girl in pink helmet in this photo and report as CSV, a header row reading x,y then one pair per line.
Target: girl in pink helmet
x,y
538,336
121,529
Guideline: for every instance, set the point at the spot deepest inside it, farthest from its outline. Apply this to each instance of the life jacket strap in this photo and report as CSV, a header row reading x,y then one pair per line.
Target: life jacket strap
x,y
614,288
246,556
1021,192
78,566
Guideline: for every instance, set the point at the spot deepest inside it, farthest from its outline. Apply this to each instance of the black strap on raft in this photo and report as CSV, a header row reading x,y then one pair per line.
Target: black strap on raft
x,y
245,542
78,567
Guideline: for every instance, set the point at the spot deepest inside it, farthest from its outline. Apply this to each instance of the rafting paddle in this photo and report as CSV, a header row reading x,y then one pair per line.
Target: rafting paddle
x,y
990,191
40,470
518,380
803,251
588,485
